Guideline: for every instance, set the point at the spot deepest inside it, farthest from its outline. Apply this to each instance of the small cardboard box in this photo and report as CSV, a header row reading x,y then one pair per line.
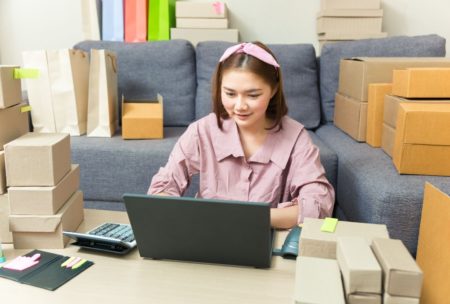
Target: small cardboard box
x,y
196,35
359,267
421,83
389,299
401,275
350,116
388,139
2,173
364,298
5,234
142,119
37,159
375,112
44,200
355,74
316,243
184,9
10,88
422,139
310,277
46,231
349,21
433,245
203,23
13,123
350,4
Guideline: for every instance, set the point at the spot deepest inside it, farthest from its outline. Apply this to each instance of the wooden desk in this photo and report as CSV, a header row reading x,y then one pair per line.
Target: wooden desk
x,y
132,279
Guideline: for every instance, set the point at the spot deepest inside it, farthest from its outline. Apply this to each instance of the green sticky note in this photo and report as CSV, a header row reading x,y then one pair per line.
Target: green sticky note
x,y
26,73
25,109
329,224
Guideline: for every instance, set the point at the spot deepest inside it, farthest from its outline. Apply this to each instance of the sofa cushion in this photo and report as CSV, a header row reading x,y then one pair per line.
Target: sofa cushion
x,y
164,67
328,158
419,46
299,68
370,190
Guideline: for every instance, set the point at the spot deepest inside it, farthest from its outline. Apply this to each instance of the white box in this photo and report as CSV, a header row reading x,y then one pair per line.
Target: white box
x,y
197,35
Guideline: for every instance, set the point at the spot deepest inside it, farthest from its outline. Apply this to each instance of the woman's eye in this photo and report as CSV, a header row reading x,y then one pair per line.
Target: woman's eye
x,y
229,94
254,96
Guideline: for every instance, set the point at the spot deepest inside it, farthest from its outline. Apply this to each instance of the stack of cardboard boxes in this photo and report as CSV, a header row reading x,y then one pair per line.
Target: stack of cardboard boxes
x,y
344,20
202,21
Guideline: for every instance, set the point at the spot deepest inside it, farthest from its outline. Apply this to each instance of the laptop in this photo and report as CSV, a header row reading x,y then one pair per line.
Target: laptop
x,y
201,230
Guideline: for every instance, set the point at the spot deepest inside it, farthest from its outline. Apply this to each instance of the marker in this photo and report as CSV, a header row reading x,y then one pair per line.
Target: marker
x,y
79,264
73,262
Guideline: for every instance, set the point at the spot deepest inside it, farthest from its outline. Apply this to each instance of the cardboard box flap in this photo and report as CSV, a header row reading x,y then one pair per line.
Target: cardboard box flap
x,y
143,108
394,255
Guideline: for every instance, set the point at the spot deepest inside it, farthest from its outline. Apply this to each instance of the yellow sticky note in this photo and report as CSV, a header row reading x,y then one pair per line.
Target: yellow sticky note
x,y
25,109
26,73
329,224
79,264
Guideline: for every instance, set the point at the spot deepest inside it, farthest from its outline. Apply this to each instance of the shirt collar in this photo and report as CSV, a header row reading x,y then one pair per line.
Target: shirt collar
x,y
226,141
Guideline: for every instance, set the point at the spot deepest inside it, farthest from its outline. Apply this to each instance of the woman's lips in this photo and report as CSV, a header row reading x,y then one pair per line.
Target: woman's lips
x,y
242,116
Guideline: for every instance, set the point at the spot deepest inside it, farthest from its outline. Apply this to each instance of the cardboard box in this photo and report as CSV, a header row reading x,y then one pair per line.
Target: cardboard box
x,y
388,139
375,112
2,173
421,83
422,139
46,231
10,88
350,4
13,123
355,74
316,243
197,35
203,23
335,21
142,119
5,234
37,159
200,9
359,267
311,275
364,298
44,200
350,115
401,275
433,246
389,299
337,37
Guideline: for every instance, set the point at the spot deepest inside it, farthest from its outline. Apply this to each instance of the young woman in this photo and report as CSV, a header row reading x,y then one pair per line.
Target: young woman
x,y
248,149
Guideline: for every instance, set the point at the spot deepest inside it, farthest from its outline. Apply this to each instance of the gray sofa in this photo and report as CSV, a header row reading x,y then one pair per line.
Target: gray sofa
x,y
368,188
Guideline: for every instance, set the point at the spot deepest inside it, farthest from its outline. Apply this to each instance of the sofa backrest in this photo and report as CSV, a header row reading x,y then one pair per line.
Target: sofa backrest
x,y
299,68
146,69
401,46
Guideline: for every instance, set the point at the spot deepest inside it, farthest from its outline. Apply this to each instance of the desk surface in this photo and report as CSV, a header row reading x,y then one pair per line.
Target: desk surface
x,y
132,279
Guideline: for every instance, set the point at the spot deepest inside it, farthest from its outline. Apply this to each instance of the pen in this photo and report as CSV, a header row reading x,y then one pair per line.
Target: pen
x,y
79,264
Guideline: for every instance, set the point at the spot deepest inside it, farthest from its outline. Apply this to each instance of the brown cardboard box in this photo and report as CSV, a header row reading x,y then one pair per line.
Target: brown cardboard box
x,y
401,275
359,267
195,35
333,37
364,298
311,275
389,299
433,246
142,119
350,4
375,112
350,116
355,74
37,159
13,123
421,83
204,23
44,200
388,139
2,173
46,231
200,10
316,243
422,139
349,21
10,88
5,234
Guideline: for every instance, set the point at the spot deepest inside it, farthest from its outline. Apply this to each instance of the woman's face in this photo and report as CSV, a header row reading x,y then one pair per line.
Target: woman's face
x,y
245,97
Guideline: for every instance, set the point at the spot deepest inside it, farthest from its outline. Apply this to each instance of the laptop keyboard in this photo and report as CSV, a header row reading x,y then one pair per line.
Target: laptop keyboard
x,y
121,232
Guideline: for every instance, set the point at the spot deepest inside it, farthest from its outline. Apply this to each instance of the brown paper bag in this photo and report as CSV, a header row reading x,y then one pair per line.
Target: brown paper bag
x,y
102,102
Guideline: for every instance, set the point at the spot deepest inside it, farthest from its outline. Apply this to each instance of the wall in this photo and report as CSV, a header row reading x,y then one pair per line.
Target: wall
x,y
28,24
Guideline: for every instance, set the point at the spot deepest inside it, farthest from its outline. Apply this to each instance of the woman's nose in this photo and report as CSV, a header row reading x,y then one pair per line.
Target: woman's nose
x,y
241,104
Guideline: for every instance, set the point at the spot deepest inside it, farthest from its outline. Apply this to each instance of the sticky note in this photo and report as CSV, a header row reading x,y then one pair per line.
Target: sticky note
x,y
79,264
26,73
23,262
67,261
329,224
25,109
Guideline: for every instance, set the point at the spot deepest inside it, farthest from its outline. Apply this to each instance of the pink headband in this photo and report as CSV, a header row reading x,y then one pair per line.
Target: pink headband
x,y
250,49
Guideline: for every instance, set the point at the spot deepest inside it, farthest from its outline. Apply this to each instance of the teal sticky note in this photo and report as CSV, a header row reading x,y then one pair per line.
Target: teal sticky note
x,y
329,224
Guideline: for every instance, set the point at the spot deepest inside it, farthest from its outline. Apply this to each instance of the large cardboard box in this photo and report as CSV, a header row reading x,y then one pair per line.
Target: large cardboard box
x,y
355,74
422,139
389,299
46,231
2,173
185,9
37,159
421,83
433,246
364,298
204,23
10,88
388,139
349,21
316,243
350,116
333,37
350,4
142,119
5,234
375,112
196,35
13,123
44,200
311,275
401,275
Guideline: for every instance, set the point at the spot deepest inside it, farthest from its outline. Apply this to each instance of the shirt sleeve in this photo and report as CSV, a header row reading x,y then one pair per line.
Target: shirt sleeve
x,y
308,186
183,163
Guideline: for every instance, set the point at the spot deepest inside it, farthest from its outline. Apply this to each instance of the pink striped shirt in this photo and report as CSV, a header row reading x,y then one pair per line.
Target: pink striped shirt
x,y
285,171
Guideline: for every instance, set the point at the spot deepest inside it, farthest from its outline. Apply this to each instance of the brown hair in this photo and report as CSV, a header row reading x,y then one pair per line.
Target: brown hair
x,y
277,107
